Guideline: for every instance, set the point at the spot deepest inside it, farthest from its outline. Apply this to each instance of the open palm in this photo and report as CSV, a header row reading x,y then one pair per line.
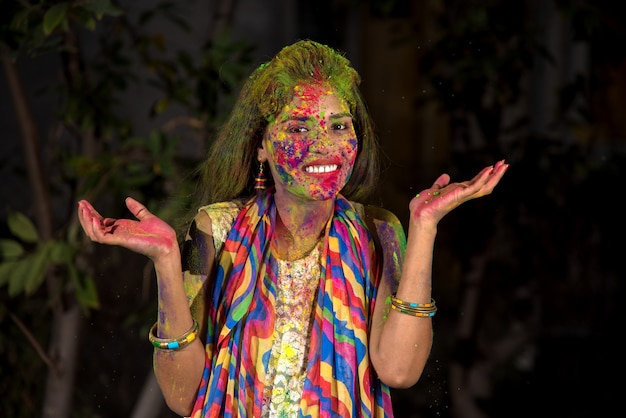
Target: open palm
x,y
148,235
434,203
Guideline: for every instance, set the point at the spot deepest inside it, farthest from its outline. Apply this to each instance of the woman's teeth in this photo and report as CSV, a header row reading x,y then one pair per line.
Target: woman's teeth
x,y
321,168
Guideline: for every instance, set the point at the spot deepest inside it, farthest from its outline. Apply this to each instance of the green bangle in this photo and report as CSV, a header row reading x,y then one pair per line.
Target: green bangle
x,y
173,343
417,313
415,309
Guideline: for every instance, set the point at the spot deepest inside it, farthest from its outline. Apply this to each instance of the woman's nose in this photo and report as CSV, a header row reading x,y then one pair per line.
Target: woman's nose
x,y
321,139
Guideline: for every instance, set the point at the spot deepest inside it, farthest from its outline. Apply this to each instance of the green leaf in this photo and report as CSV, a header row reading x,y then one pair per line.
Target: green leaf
x,y
10,249
90,24
19,22
155,143
86,294
88,297
53,17
38,267
22,227
61,252
5,271
102,7
16,276
160,105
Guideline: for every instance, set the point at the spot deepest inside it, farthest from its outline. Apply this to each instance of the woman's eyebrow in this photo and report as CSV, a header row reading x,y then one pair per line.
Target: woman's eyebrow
x,y
296,118
306,118
341,115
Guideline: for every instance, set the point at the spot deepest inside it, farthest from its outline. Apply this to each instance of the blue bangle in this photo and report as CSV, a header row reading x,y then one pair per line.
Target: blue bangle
x,y
174,343
415,309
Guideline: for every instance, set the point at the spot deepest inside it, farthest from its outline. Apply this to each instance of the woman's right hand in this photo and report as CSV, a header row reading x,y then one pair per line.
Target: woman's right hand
x,y
432,204
148,235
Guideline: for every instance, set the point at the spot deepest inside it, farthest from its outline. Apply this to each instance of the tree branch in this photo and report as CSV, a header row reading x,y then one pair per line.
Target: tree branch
x,y
33,341
32,156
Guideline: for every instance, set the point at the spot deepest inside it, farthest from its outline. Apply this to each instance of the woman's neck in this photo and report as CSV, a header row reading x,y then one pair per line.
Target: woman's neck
x,y
299,225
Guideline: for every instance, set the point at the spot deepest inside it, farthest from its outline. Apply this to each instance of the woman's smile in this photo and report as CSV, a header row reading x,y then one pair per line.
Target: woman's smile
x,y
321,169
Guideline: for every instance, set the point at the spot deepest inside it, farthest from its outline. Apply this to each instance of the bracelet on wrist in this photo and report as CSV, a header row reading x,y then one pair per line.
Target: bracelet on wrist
x,y
173,343
414,309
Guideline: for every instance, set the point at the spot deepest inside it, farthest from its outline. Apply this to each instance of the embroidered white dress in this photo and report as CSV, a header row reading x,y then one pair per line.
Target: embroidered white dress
x,y
297,285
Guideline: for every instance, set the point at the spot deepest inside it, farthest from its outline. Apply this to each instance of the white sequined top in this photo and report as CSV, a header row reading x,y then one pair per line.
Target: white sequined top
x,y
297,285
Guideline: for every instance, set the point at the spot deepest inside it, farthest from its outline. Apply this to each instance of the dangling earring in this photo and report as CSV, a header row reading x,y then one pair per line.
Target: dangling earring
x,y
260,179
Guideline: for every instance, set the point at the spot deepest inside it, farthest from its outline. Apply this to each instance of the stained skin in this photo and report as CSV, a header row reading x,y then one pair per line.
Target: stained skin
x,y
311,147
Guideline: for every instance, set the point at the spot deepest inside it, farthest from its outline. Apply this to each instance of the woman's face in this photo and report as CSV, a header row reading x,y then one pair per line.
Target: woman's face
x,y
312,145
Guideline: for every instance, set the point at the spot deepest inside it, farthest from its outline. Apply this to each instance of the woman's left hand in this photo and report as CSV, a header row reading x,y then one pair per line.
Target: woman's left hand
x,y
431,205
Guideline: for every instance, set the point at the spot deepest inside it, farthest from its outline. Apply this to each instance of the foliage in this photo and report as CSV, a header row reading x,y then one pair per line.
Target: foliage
x,y
23,269
550,264
97,151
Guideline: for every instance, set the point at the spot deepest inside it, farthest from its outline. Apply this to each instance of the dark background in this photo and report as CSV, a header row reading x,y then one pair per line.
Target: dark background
x,y
528,280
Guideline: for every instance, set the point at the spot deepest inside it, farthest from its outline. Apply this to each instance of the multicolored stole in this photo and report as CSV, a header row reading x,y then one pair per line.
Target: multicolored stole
x,y
340,379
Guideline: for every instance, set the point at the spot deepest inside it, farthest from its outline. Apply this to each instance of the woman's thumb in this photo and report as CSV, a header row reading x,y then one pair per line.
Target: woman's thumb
x,y
136,208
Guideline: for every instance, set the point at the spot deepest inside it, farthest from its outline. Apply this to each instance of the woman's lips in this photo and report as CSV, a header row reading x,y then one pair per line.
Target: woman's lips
x,y
322,165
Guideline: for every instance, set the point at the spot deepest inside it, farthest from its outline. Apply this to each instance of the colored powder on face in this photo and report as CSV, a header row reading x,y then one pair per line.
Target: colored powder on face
x,y
306,130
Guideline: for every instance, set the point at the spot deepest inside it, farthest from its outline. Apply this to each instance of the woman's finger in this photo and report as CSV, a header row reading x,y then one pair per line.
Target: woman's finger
x,y
137,209
86,220
442,181
484,183
89,209
96,230
488,181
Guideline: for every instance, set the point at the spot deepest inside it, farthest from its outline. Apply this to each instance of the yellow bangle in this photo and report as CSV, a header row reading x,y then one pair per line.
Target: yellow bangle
x,y
414,309
173,343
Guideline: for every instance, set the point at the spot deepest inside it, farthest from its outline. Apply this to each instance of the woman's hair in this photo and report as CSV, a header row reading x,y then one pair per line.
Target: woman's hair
x,y
232,163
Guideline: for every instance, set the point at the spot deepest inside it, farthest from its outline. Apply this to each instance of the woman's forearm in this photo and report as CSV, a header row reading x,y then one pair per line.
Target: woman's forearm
x,y
405,341
178,371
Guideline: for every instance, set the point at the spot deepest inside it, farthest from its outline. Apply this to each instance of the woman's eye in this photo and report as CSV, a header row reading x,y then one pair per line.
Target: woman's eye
x,y
339,126
297,129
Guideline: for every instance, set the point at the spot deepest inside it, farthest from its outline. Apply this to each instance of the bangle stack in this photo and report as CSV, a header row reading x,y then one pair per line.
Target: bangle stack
x,y
173,343
414,309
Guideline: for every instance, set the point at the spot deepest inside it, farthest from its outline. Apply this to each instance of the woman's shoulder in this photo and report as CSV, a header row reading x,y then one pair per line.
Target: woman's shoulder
x,y
230,206
216,219
386,228
376,214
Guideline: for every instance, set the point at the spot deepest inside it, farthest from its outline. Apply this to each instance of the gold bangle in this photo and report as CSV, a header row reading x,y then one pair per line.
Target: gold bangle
x,y
173,343
414,309
414,313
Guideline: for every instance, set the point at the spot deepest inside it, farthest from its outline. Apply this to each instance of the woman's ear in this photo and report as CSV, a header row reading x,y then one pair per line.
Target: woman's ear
x,y
262,153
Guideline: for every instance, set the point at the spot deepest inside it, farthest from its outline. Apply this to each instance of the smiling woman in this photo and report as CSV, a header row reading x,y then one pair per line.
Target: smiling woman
x,y
307,302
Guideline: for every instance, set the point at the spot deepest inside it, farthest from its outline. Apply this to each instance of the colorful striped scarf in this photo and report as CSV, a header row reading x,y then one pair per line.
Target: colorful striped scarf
x,y
340,380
